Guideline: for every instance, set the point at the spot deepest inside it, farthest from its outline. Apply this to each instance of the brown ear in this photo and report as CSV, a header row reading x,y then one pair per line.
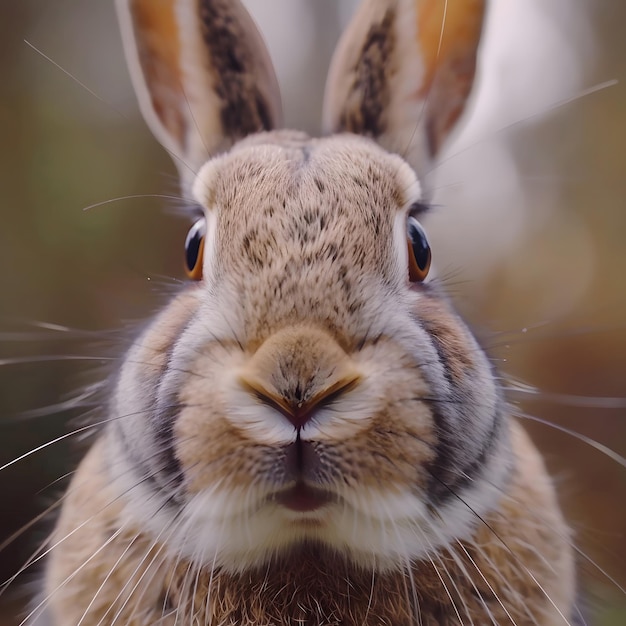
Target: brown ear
x,y
402,73
202,75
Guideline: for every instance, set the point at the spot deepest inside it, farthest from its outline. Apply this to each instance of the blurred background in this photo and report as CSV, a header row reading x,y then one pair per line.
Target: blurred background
x,y
529,235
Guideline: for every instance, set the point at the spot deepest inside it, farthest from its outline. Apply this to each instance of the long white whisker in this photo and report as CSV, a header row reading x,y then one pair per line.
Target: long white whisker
x,y
459,563
484,578
620,460
408,571
514,386
132,197
508,549
504,129
70,577
104,582
76,80
440,560
541,521
142,561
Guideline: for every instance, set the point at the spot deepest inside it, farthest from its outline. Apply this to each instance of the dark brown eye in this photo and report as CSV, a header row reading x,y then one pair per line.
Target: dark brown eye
x,y
194,249
419,251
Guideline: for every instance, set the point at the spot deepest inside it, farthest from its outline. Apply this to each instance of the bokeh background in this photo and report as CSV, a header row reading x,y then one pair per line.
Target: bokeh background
x,y
529,235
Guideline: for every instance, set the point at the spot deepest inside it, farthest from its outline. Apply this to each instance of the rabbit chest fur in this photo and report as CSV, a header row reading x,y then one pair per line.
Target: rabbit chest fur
x,y
308,433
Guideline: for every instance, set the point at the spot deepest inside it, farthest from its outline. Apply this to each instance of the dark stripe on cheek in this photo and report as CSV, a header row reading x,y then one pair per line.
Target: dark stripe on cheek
x,y
442,469
447,447
168,466
150,471
157,462
465,474
456,463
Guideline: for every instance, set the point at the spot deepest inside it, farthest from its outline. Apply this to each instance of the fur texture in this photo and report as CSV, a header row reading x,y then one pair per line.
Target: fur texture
x,y
508,571
307,435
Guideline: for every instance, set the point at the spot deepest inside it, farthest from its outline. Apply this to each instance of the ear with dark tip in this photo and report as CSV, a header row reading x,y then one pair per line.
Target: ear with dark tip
x,y
402,73
202,75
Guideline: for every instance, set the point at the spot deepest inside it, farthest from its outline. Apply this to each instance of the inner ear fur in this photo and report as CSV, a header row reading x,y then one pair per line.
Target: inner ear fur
x,y
402,73
202,75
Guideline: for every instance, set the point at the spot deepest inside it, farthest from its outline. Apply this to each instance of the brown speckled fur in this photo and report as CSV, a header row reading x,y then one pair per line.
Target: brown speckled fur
x,y
312,586
435,507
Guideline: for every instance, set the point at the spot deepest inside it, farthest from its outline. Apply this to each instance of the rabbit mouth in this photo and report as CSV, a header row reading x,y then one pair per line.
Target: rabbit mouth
x,y
302,466
303,498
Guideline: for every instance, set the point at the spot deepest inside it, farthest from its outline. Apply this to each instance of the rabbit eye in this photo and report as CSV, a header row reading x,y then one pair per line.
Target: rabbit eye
x,y
194,249
419,251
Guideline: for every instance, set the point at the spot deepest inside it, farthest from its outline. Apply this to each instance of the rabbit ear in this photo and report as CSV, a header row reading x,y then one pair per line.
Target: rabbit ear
x,y
202,75
402,73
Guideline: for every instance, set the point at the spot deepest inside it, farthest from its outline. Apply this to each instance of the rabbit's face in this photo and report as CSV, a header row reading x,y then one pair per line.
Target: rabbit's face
x,y
308,433
305,390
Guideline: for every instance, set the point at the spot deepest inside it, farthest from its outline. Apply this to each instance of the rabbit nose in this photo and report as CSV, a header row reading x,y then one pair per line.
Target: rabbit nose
x,y
297,370
300,412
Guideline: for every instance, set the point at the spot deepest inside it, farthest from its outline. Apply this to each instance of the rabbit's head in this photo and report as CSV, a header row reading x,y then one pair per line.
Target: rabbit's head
x,y
313,385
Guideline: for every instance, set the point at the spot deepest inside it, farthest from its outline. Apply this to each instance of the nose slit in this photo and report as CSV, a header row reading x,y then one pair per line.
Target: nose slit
x,y
297,412
302,462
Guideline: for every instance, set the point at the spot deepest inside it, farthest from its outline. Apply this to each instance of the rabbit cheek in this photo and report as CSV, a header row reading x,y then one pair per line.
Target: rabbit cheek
x,y
214,455
473,458
134,408
389,456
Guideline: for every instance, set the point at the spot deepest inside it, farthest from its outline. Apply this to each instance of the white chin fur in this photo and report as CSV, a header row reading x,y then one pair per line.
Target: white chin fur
x,y
238,531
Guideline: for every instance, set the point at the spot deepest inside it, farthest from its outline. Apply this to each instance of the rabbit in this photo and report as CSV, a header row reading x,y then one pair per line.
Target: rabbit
x,y
307,433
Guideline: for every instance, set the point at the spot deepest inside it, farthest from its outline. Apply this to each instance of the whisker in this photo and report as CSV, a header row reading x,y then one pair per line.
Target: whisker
x,y
20,531
77,402
55,358
43,602
504,545
566,399
441,561
541,521
461,566
505,129
104,582
151,546
619,459
76,80
132,197
428,93
484,579
43,446
83,429
509,586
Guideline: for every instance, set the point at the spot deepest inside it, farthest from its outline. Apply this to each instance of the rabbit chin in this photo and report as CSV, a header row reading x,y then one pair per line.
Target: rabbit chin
x,y
380,530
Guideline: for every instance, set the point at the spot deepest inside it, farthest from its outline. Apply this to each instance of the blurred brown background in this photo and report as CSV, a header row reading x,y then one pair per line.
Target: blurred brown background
x,y
549,305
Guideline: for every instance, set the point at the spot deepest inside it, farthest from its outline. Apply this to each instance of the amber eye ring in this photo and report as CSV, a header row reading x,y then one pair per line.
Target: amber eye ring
x,y
194,249
419,251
